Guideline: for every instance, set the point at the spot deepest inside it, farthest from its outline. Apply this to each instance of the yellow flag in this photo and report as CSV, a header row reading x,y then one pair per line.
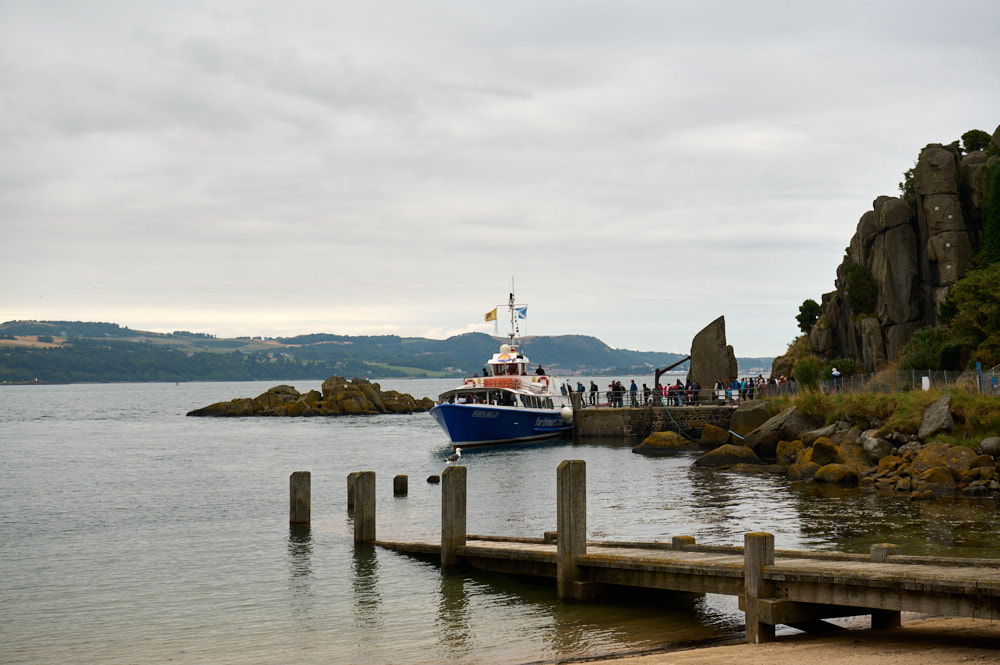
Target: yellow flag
x,y
492,315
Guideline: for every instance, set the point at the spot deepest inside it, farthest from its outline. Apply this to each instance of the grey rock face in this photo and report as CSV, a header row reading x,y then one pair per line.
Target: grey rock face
x,y
915,249
990,445
937,418
711,358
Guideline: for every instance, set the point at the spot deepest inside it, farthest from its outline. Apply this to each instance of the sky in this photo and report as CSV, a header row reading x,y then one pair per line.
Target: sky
x,y
638,168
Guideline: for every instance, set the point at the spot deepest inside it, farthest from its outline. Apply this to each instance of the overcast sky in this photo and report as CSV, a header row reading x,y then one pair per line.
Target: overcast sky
x,y
638,167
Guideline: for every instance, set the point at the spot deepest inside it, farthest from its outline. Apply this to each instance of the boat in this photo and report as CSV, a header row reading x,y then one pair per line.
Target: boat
x,y
508,404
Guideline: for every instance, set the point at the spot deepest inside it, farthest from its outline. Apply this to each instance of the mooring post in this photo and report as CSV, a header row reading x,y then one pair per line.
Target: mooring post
x,y
571,526
364,507
350,488
758,551
880,553
678,542
400,485
452,513
300,491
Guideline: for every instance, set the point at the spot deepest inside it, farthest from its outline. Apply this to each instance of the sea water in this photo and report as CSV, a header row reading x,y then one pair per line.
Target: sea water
x,y
130,533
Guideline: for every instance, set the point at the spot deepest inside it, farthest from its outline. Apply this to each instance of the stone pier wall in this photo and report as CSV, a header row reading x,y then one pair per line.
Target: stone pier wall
x,y
604,422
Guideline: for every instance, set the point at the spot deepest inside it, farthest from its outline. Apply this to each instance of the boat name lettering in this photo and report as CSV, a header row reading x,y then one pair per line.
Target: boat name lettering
x,y
481,413
548,422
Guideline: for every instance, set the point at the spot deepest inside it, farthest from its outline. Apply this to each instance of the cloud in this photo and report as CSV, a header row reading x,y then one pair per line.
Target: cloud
x,y
251,168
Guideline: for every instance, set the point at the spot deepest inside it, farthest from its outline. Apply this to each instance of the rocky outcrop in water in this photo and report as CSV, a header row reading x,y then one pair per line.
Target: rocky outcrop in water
x,y
903,257
336,398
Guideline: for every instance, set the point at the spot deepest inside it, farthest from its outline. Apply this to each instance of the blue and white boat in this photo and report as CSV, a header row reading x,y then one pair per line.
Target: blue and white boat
x,y
508,405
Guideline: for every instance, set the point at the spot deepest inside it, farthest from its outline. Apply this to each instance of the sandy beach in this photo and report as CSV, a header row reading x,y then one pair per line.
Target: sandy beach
x,y
937,641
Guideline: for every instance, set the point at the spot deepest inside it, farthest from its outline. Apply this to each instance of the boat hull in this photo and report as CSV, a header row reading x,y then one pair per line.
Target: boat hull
x,y
471,425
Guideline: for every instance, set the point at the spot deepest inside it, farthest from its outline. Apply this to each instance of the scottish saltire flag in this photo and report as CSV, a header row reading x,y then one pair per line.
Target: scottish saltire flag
x,y
492,315
522,312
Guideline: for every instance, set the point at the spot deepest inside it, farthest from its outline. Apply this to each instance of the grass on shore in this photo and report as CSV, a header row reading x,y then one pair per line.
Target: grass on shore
x,y
976,416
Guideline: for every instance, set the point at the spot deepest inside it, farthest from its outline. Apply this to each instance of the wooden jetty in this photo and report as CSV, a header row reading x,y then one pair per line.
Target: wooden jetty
x,y
774,586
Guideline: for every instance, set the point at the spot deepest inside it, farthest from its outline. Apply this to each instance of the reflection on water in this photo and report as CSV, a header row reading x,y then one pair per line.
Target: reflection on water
x,y
367,599
851,519
455,635
300,572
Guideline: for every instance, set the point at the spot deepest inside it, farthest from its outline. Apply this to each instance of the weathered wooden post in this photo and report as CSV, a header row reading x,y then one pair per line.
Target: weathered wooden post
x,y
364,507
758,551
350,489
300,494
880,553
400,485
571,526
452,513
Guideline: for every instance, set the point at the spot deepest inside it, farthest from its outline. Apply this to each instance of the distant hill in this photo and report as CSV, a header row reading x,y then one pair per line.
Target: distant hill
x,y
74,351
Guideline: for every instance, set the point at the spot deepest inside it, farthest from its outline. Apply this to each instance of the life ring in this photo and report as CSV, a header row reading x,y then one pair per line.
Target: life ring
x,y
470,382
544,380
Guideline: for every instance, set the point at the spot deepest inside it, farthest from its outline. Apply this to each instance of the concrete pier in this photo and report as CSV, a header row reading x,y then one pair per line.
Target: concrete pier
x,y
641,421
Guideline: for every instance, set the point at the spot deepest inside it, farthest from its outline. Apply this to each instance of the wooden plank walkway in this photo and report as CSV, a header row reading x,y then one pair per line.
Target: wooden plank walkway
x,y
774,587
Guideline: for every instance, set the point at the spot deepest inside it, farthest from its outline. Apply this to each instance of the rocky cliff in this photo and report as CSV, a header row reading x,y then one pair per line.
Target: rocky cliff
x,y
903,257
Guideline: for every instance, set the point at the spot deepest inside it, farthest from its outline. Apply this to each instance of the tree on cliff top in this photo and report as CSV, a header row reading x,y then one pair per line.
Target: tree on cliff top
x,y
809,312
975,139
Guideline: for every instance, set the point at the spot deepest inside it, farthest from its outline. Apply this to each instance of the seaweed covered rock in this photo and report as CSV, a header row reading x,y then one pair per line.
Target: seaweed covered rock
x,y
663,443
728,455
336,397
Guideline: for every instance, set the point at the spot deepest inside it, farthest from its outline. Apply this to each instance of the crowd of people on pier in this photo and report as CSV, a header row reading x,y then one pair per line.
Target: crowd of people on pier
x,y
687,394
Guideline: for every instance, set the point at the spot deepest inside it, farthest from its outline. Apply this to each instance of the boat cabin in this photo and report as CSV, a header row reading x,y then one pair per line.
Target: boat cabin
x,y
508,362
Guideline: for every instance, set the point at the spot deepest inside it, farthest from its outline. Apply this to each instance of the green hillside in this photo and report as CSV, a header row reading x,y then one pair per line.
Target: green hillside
x,y
73,351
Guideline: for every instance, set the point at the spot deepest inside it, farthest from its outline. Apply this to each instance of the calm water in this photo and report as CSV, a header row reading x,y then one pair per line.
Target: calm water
x,y
132,534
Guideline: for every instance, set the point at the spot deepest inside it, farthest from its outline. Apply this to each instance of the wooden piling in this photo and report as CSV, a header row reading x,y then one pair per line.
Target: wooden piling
x,y
350,489
300,494
571,526
880,553
364,507
400,485
758,551
453,525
